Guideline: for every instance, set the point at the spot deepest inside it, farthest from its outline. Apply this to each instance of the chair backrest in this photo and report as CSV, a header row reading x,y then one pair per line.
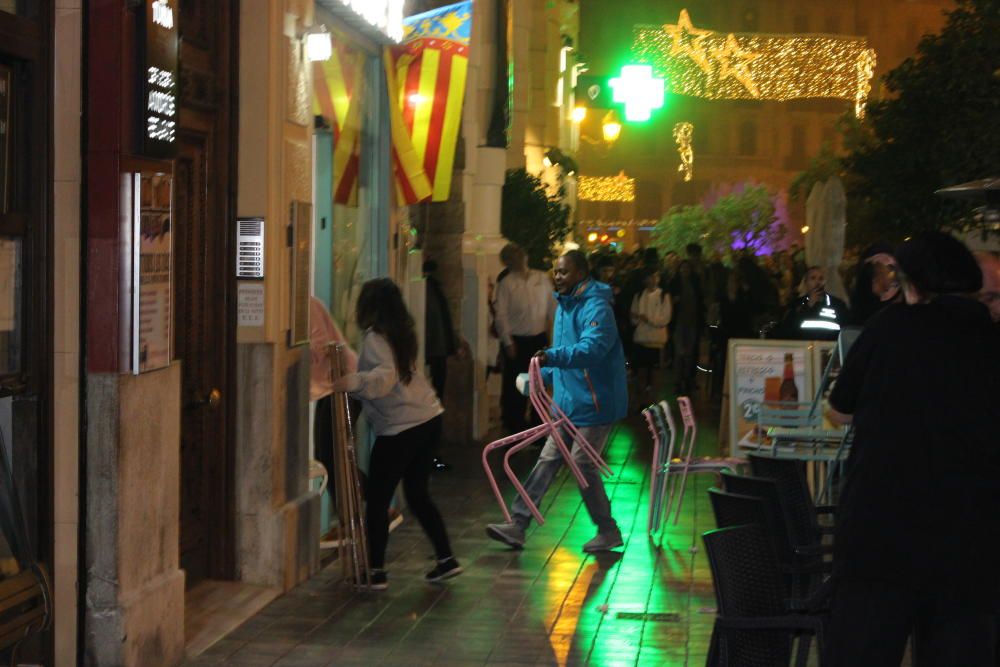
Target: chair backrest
x,y
654,431
790,478
748,584
736,509
690,435
788,415
687,413
767,491
668,429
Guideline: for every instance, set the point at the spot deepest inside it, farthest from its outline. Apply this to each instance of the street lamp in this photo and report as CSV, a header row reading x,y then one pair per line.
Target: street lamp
x,y
611,127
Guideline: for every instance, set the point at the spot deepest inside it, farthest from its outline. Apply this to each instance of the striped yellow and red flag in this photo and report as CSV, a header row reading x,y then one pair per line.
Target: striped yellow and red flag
x,y
430,73
338,97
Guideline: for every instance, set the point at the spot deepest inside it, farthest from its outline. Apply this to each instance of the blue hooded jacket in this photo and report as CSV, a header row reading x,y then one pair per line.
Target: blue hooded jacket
x,y
586,364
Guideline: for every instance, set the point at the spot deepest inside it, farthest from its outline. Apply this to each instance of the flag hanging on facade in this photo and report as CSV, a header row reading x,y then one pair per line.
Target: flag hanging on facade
x,y
338,97
430,73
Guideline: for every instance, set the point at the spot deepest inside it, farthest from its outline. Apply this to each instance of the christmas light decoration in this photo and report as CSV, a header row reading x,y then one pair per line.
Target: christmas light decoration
x,y
618,188
682,135
713,65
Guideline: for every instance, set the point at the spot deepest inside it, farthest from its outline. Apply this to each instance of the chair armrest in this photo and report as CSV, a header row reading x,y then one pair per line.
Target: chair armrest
x,y
786,622
814,550
816,567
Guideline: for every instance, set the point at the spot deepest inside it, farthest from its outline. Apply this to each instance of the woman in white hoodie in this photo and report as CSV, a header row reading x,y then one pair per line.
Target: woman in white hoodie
x,y
651,312
405,416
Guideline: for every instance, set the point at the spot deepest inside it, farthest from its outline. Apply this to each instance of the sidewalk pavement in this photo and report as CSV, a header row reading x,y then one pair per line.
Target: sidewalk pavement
x,y
549,604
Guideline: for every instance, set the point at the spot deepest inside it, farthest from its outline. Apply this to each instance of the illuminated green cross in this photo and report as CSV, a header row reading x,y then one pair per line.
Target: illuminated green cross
x,y
638,91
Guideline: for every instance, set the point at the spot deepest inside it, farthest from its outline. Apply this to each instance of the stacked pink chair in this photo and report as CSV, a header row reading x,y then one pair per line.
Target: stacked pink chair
x,y
554,424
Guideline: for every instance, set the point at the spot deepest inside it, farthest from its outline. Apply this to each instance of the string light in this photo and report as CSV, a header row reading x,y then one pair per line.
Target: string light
x,y
713,65
606,188
682,135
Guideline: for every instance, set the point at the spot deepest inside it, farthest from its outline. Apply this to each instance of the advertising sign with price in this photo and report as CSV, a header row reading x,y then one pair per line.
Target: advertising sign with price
x,y
764,370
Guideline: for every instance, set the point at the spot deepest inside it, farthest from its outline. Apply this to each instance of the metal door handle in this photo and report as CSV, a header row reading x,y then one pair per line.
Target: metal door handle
x,y
212,399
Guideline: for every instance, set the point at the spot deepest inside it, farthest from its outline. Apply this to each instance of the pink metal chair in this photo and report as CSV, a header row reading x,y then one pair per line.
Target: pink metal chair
x,y
663,452
554,420
688,464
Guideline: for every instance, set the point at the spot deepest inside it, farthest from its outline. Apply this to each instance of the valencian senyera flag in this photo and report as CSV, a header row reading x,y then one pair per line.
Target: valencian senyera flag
x,y
338,84
427,74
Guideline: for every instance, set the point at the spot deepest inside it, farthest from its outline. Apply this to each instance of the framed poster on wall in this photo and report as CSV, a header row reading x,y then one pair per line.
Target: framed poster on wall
x,y
148,314
764,370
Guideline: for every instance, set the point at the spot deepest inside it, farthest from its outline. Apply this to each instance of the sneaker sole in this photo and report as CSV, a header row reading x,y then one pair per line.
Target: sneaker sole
x,y
371,587
447,575
609,547
494,534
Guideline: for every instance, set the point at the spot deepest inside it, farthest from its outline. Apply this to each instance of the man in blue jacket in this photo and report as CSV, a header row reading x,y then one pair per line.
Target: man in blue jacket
x,y
586,368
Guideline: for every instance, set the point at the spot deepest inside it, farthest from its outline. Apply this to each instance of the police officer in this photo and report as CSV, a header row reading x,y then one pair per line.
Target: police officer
x,y
816,315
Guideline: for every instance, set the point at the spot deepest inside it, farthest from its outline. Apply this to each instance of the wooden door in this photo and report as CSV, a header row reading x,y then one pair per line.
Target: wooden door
x,y
204,180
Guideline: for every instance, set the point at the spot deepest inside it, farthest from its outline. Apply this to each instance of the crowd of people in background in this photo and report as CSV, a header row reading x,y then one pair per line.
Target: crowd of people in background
x,y
703,301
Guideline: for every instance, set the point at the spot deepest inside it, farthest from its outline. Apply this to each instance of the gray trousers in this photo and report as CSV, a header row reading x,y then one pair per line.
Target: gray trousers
x,y
550,461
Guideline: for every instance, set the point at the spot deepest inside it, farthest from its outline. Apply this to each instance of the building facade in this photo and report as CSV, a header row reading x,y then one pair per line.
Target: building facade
x,y
735,141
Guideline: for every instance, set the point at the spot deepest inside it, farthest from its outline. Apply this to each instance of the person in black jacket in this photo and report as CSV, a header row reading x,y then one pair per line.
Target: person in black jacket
x,y
917,529
815,316
689,319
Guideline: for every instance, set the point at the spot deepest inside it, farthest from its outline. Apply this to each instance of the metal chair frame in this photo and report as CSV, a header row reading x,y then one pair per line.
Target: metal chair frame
x,y
664,484
554,423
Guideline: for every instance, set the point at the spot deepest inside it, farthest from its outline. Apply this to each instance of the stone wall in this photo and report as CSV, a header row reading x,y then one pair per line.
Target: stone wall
x,y
135,592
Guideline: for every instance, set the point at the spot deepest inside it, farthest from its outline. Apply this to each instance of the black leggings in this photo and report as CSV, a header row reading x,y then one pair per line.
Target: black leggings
x,y
406,456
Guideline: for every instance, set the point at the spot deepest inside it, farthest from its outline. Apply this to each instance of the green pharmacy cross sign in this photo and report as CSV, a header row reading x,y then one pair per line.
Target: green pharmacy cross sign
x,y
638,90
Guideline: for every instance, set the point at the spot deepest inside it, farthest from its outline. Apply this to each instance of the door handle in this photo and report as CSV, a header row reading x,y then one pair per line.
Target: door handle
x,y
212,399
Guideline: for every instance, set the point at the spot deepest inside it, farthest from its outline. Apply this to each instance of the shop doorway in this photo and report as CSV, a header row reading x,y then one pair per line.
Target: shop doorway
x,y
204,183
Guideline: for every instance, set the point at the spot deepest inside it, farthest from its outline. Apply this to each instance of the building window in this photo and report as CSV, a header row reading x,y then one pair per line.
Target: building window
x,y
748,138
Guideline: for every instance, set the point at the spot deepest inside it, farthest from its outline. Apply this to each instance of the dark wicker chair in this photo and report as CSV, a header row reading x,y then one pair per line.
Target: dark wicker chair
x,y
804,564
754,627
803,515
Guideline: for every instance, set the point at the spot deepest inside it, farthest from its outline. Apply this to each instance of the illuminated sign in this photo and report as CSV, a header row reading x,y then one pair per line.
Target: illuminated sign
x,y
157,126
638,90
385,15
163,14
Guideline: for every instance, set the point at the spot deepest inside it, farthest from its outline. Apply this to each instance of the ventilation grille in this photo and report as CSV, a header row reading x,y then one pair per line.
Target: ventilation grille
x,y
250,248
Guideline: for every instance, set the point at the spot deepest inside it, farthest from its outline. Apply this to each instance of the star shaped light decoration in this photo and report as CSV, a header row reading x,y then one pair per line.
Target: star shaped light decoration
x,y
735,62
692,46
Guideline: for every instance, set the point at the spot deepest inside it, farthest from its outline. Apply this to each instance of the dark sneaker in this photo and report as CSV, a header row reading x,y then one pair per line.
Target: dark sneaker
x,y
377,580
604,542
510,534
445,569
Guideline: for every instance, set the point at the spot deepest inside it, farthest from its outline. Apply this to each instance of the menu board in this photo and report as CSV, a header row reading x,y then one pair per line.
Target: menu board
x,y
153,273
763,370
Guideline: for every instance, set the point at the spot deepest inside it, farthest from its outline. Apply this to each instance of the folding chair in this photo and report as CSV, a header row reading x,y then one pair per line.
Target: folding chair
x,y
554,422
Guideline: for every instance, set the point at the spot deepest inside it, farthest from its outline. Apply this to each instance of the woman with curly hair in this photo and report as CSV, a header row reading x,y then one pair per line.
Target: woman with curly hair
x,y
405,416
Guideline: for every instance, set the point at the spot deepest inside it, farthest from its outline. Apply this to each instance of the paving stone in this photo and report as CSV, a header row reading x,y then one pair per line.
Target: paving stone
x,y
549,604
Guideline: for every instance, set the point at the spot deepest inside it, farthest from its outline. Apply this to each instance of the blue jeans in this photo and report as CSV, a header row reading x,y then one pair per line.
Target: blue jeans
x,y
550,461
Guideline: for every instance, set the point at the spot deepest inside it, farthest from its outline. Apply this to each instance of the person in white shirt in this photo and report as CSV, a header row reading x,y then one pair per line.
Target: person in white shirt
x,y
405,416
651,313
525,304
